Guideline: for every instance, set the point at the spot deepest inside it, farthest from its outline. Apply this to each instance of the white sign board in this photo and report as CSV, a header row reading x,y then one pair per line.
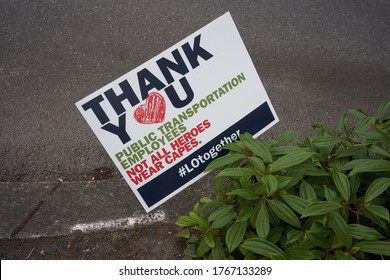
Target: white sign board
x,y
165,121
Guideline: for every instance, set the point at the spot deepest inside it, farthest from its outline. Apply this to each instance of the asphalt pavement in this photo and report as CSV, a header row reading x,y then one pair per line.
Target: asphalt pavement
x,y
315,58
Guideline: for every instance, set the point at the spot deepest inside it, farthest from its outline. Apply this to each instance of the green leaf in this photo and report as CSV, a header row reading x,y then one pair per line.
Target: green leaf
x,y
326,141
185,221
218,251
365,124
247,194
371,137
374,148
342,183
354,250
329,194
257,163
297,203
236,147
245,136
317,254
374,247
376,188
297,253
352,151
382,128
343,125
205,200
367,165
199,220
275,234
284,212
294,235
320,208
286,136
363,233
220,183
290,159
319,240
245,214
382,108
235,234
310,170
193,238
341,255
322,129
306,191
357,113
224,220
242,183
259,149
270,183
223,161
190,252
209,239
340,227
273,218
202,249
220,212
222,216
196,208
378,211
355,183
262,222
282,150
237,172
185,233
262,247
285,182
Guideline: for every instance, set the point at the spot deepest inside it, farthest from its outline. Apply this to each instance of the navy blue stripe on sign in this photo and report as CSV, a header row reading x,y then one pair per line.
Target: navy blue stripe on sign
x,y
168,182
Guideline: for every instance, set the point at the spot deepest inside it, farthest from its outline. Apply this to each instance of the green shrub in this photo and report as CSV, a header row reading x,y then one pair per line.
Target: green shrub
x,y
326,197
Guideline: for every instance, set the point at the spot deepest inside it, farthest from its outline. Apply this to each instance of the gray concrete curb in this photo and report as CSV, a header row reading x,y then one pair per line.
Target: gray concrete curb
x,y
45,209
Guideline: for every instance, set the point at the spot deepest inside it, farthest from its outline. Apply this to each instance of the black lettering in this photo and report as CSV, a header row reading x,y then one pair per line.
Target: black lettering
x,y
174,97
94,104
119,130
154,83
116,100
165,65
193,53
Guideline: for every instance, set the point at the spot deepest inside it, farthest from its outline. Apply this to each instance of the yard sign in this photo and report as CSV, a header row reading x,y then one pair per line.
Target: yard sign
x,y
165,121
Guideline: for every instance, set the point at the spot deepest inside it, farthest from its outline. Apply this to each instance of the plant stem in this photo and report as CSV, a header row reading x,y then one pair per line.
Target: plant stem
x,y
356,212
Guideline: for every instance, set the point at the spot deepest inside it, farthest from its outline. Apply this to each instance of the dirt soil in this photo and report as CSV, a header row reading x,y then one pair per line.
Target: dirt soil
x,y
147,242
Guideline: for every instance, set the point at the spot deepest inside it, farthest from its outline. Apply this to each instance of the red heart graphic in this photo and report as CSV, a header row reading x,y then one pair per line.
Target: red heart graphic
x,y
153,111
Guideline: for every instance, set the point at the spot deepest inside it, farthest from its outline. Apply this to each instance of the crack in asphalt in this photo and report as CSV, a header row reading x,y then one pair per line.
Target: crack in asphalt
x,y
35,209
